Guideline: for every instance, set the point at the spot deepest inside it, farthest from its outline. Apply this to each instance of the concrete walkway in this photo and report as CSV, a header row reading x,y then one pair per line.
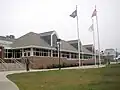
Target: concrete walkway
x,y
6,84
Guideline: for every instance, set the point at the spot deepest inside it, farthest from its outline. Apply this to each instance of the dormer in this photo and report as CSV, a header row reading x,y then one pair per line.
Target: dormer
x,y
50,37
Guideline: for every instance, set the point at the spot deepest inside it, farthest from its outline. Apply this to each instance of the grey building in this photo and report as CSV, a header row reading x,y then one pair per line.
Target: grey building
x,y
85,52
41,45
111,53
6,41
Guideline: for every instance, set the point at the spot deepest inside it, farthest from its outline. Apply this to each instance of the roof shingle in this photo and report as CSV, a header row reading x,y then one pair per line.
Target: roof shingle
x,y
30,39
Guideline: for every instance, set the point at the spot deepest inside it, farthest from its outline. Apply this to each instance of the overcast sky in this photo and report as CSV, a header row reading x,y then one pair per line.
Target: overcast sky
x,y
19,17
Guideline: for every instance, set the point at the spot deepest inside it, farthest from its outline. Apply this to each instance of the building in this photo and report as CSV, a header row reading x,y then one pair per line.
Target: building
x,y
6,41
40,46
90,47
85,53
110,53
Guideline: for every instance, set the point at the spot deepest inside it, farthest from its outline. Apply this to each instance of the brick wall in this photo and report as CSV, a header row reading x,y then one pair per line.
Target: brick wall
x,y
43,62
38,62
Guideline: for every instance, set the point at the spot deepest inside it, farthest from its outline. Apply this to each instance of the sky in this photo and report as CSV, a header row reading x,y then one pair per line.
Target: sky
x,y
18,17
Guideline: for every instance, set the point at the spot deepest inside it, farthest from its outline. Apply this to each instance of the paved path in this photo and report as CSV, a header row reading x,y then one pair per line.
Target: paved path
x,y
115,62
6,84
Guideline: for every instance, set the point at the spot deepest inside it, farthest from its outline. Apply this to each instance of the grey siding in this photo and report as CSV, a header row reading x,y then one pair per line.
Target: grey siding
x,y
47,39
30,39
54,40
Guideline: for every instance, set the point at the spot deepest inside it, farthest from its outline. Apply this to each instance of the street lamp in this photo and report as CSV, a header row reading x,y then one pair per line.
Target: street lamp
x,y
58,45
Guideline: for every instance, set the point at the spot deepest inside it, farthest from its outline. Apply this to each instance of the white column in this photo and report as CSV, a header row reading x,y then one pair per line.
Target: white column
x,y
31,52
22,52
70,55
7,53
51,53
58,54
14,54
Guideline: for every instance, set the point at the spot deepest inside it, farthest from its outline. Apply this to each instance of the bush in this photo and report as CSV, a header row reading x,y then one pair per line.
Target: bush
x,y
68,65
55,65
41,67
49,66
76,64
64,64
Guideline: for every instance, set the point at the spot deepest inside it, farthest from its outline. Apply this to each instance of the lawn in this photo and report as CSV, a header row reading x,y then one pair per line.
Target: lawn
x,y
107,78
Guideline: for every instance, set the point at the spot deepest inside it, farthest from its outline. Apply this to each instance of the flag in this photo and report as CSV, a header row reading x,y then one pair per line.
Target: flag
x,y
94,13
74,14
91,28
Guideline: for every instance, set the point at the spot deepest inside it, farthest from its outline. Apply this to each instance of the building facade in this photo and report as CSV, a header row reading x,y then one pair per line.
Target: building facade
x,y
41,45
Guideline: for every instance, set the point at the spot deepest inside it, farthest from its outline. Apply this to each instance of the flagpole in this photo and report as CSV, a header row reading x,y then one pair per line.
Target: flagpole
x,y
98,37
94,50
78,38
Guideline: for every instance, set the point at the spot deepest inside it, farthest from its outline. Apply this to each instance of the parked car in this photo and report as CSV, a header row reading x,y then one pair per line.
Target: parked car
x,y
117,58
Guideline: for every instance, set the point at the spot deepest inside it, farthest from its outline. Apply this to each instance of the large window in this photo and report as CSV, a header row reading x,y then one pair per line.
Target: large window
x,y
13,53
41,52
28,53
65,54
55,54
74,55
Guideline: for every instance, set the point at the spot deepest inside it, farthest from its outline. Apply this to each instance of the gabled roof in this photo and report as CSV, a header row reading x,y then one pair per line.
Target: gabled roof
x,y
88,45
73,41
84,50
46,33
66,46
34,39
30,39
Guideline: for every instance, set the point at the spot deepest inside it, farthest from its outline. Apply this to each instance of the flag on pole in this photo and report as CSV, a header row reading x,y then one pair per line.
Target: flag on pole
x,y
94,13
91,28
74,14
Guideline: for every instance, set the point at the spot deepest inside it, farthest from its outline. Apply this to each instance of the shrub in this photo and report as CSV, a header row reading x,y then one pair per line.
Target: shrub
x,y
55,65
49,66
41,67
64,64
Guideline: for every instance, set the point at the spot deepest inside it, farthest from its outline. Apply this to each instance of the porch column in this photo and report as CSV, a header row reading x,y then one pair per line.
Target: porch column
x,y
22,52
7,53
70,55
51,53
31,52
12,53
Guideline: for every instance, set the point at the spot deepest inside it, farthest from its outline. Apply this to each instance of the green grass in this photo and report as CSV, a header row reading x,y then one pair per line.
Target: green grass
x,y
107,78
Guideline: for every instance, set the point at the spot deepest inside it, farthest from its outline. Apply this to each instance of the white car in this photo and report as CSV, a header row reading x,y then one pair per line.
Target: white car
x,y
117,58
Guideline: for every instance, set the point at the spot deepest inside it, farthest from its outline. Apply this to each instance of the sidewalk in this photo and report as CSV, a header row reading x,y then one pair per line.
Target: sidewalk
x,y
6,84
